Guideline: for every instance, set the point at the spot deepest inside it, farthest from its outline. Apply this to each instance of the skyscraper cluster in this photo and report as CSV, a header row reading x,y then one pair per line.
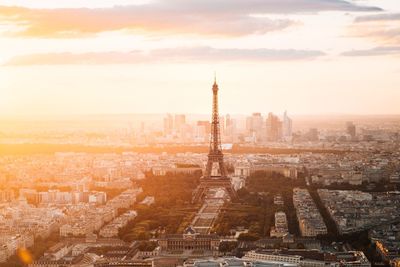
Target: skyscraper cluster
x,y
172,124
255,128
176,127
272,129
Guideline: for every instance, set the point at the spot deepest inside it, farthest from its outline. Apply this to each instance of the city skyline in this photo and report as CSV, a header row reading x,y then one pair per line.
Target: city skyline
x,y
195,133
309,57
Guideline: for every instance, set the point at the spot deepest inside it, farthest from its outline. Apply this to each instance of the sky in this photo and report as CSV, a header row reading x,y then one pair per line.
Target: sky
x,y
158,56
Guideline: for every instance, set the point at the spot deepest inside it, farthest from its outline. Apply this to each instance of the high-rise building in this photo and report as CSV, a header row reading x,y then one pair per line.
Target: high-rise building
x,y
168,124
254,127
228,120
206,125
249,125
254,123
351,129
180,120
230,125
257,122
186,133
287,126
200,134
230,129
273,128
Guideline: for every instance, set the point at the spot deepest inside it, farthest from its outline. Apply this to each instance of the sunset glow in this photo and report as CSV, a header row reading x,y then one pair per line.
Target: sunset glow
x,y
199,133
269,55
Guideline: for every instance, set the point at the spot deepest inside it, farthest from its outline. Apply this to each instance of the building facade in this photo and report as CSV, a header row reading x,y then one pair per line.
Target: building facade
x,y
189,240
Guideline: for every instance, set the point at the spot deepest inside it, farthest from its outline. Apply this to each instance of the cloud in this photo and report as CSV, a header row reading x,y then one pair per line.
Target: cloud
x,y
379,17
171,55
377,51
223,17
381,34
383,29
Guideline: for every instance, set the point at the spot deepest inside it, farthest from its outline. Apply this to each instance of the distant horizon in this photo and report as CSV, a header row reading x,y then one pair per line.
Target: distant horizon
x,y
63,116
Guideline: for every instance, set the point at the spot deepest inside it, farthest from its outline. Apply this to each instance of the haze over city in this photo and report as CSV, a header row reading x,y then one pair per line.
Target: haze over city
x,y
199,133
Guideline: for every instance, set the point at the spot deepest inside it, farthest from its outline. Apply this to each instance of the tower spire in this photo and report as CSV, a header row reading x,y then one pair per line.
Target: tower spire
x,y
215,77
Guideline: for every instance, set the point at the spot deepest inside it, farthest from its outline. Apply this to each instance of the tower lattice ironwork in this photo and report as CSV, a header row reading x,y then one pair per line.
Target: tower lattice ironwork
x,y
215,151
215,155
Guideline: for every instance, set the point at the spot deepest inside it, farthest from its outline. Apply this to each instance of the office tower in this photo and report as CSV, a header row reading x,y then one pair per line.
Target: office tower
x,y
180,120
351,129
203,130
254,123
249,125
228,120
168,124
257,121
229,125
254,127
186,133
206,125
230,129
273,128
287,126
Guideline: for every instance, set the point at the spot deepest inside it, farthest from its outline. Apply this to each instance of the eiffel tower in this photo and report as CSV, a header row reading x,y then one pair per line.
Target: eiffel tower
x,y
208,180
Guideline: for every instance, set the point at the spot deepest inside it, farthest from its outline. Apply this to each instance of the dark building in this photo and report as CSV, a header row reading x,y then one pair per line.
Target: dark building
x,y
351,129
130,263
189,240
